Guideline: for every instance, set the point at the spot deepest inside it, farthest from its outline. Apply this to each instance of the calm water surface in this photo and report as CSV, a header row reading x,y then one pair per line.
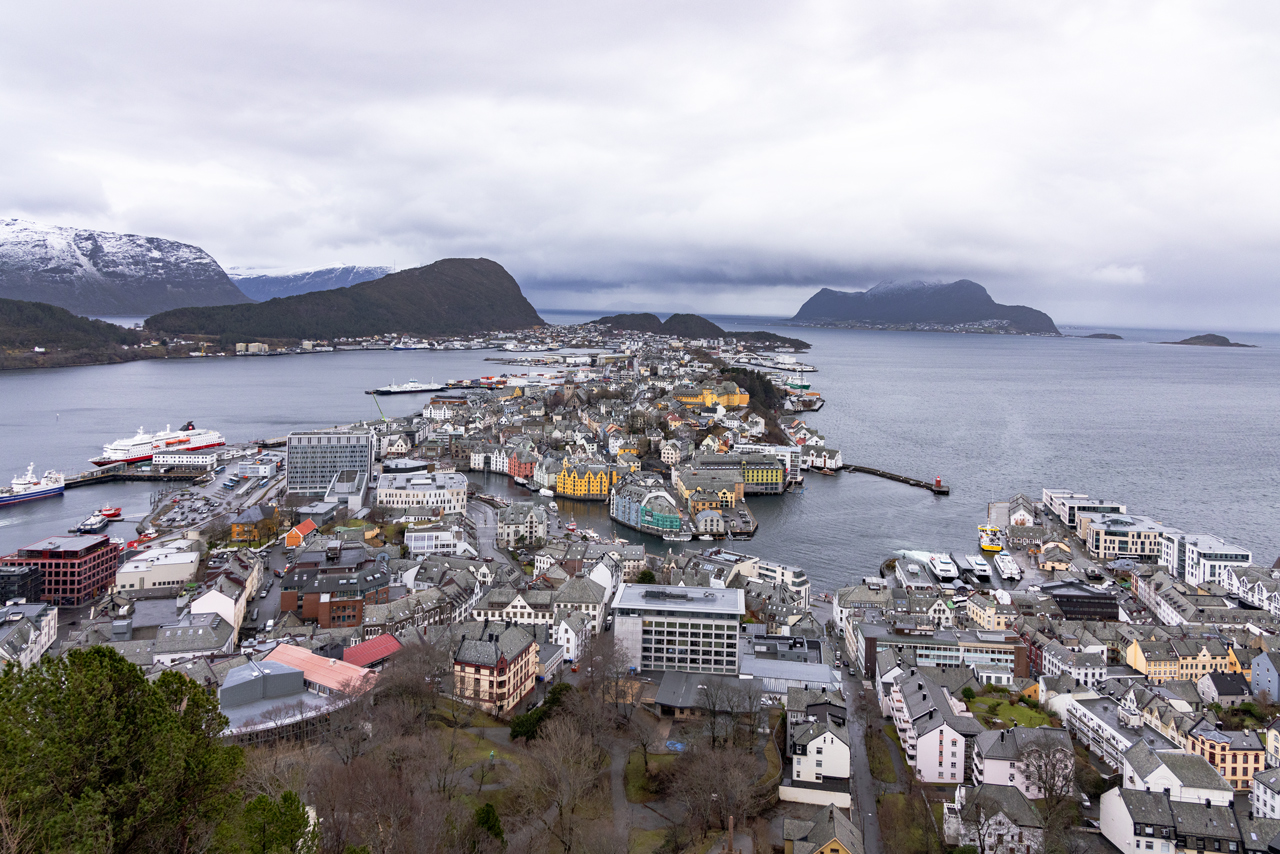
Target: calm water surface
x,y
1187,435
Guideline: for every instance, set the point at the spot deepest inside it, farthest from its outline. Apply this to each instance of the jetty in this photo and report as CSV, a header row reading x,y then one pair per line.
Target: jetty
x,y
937,487
122,471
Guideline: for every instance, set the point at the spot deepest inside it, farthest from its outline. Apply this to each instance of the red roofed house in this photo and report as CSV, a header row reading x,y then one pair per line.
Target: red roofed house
x,y
372,653
298,533
324,675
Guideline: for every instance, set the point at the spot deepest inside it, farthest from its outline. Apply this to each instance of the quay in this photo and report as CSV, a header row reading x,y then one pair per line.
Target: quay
x,y
121,471
937,487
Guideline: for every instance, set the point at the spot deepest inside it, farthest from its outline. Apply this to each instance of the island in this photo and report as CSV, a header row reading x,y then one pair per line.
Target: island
x,y
1209,340
960,306
1104,336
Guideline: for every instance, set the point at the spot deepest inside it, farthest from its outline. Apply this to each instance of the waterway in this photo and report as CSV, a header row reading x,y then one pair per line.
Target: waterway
x,y
1186,435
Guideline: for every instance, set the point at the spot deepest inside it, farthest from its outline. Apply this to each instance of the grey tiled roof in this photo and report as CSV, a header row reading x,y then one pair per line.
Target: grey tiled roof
x,y
1007,800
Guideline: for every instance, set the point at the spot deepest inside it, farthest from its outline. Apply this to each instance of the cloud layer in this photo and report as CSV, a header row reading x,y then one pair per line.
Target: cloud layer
x,y
1107,162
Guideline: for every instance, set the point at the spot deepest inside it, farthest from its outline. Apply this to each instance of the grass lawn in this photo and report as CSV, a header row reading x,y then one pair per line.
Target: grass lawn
x,y
989,710
645,841
773,757
634,777
892,731
879,758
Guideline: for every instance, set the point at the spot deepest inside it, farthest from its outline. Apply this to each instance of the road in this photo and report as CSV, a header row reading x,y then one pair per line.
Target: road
x,y
483,526
862,786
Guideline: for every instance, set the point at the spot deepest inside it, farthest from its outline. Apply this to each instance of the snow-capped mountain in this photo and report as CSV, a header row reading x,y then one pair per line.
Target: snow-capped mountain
x,y
102,273
265,285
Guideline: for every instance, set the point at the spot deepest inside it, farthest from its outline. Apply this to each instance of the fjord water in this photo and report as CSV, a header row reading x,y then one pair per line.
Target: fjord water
x,y
1186,435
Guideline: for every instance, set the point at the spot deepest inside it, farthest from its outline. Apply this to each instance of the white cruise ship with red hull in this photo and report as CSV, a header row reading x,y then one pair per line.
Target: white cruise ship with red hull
x,y
146,445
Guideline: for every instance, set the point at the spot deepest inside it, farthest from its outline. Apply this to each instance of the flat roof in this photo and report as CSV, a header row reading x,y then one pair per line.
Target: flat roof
x,y
665,597
66,544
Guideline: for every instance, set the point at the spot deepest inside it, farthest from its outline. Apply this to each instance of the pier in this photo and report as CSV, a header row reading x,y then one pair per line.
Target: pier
x,y
937,487
121,471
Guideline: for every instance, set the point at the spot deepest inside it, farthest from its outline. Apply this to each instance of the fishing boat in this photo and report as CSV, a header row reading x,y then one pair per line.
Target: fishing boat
x,y
28,487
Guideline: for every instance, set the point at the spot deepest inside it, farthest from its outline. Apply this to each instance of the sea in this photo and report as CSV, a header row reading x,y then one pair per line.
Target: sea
x,y
1186,435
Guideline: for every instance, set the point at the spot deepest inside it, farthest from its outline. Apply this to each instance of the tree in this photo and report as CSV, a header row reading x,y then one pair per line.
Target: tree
x,y
562,772
716,784
967,693
93,756
646,576
486,819
269,826
1050,768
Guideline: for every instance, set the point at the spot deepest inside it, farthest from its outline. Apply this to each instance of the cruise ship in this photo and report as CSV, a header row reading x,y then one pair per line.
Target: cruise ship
x,y
411,387
145,445
28,487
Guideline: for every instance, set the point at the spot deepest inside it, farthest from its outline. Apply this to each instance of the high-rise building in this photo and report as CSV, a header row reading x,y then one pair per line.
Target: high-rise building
x,y
76,569
314,457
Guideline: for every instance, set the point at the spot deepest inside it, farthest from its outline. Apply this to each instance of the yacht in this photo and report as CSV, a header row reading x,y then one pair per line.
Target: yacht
x,y
1006,566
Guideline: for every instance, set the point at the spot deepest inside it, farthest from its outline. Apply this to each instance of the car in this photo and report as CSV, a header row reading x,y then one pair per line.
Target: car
x,y
263,594
1084,801
253,615
271,624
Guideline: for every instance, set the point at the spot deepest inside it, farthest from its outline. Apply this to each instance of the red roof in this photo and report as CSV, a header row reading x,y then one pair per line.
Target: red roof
x,y
327,672
305,528
370,651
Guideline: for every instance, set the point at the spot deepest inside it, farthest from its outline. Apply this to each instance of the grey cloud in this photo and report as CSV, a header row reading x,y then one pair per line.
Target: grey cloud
x,y
670,155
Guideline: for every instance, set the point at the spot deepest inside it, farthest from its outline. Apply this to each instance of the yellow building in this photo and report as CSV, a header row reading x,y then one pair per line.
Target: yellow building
x,y
726,394
991,614
1240,660
1156,660
586,481
1196,658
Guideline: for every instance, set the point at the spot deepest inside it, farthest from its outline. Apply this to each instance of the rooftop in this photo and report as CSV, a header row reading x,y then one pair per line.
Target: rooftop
x,y
660,597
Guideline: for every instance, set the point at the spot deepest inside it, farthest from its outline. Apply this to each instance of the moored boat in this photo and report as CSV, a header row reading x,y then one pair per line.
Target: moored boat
x,y
28,487
943,566
95,524
1006,566
145,445
411,387
111,512
989,538
979,565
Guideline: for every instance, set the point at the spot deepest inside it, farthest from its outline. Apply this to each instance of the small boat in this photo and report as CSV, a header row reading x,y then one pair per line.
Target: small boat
x,y
826,471
110,512
95,524
705,537
989,538
547,493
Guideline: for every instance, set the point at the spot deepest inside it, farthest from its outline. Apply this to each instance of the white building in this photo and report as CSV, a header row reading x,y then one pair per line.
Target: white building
x,y
445,490
165,567
314,457
1201,558
993,819
437,538
936,730
1087,668
1264,796
1183,777
522,521
1065,504
27,630
679,628
206,459
570,630
1028,759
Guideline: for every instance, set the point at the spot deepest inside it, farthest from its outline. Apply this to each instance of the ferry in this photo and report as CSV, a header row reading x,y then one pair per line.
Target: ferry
x,y
145,445
95,524
981,568
989,538
943,567
1007,568
411,387
28,487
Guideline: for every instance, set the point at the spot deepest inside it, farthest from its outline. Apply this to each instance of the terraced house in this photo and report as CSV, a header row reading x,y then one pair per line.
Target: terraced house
x,y
495,666
586,481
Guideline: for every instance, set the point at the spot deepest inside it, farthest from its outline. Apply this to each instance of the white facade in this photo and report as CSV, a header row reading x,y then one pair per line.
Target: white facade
x,y
1264,796
314,457
825,756
168,568
437,539
27,630
1207,558
445,490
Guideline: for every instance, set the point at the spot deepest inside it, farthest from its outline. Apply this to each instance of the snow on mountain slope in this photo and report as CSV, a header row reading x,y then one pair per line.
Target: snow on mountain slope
x,y
265,285
102,273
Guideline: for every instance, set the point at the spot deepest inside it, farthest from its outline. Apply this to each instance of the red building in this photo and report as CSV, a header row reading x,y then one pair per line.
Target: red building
x,y
521,464
76,569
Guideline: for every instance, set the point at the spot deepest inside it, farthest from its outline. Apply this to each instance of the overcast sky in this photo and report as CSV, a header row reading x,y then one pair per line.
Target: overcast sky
x,y
1109,163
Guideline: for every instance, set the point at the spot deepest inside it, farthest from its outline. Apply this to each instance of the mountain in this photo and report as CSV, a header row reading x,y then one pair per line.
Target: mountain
x,y
633,323
911,303
456,296
1209,341
691,326
24,325
99,272
264,286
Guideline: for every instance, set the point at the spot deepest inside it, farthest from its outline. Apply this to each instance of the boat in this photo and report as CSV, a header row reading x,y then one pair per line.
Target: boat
x,y
943,566
705,537
979,565
28,487
1006,566
95,524
411,387
797,382
989,538
113,512
547,493
144,445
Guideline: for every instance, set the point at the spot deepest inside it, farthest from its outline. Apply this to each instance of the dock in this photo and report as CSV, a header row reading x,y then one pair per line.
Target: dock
x,y
121,471
937,487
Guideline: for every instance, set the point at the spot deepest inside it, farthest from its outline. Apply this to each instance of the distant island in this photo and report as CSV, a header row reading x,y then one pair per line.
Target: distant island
x,y
103,273
455,296
961,306
1105,336
1208,341
696,326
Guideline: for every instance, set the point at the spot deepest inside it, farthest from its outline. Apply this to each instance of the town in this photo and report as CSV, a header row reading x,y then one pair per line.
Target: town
x,y
369,620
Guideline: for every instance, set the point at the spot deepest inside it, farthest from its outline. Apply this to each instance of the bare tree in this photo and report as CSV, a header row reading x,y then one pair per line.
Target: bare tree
x,y
562,773
716,701
716,784
644,729
421,671
984,816
348,730
1049,766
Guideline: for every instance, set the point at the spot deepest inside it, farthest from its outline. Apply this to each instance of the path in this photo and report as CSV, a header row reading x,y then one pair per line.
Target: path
x,y
862,784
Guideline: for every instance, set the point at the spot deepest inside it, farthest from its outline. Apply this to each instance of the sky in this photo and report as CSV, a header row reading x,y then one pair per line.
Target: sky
x,y
1109,163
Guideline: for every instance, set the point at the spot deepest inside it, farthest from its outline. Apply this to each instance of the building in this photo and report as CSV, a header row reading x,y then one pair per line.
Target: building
x,y
1030,760
936,648
1264,797
1225,689
586,481
762,474
168,568
298,534
1265,676
829,831
1184,777
321,674
643,502
936,730
1065,504
1079,601
993,819
314,457
256,523
22,581
524,522
1201,558
204,460
495,666
1152,821
76,568
1085,668
679,628
446,491
436,538
1110,536
27,630
332,586
1236,755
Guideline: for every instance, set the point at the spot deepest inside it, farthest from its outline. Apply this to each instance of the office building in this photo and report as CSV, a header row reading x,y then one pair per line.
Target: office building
x,y
315,457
